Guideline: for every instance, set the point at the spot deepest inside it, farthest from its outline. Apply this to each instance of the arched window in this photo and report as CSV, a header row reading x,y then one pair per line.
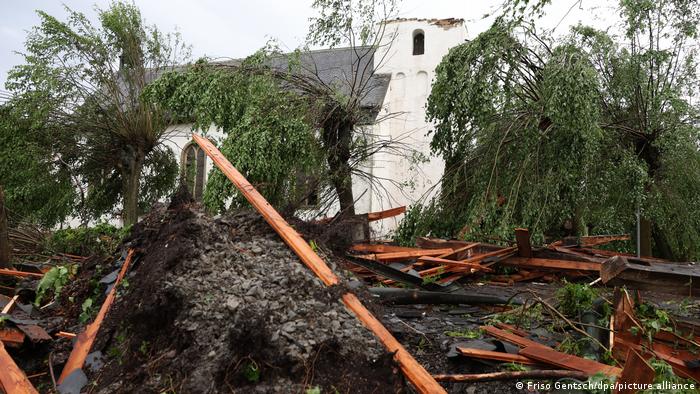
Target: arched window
x,y
418,42
193,165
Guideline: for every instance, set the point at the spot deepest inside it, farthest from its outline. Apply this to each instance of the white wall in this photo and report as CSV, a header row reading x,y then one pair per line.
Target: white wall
x,y
405,102
178,136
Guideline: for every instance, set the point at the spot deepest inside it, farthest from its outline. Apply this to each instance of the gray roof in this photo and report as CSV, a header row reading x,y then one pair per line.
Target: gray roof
x,y
350,70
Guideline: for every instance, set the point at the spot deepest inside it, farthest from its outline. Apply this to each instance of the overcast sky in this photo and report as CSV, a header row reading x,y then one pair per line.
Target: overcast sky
x,y
236,28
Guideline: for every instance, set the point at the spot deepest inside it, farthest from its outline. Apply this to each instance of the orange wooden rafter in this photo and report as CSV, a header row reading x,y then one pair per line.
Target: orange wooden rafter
x,y
12,379
86,338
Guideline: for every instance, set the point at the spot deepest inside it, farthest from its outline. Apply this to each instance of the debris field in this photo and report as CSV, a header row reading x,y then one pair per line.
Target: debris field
x,y
242,303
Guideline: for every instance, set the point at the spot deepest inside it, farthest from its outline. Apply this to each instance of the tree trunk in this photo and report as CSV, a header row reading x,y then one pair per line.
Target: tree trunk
x,y
131,179
338,139
4,236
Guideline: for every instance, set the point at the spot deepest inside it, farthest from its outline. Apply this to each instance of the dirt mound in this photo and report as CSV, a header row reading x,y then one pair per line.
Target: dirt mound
x,y
222,305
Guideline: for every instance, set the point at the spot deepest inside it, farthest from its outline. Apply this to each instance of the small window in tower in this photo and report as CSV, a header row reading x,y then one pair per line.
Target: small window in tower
x,y
418,42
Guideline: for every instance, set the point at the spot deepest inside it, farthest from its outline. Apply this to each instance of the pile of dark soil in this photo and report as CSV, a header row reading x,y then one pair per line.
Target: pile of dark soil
x,y
223,305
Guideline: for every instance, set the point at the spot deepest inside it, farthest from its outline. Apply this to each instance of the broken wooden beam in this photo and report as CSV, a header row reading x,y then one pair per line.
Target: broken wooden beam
x,y
511,337
373,216
496,356
512,375
568,361
85,339
595,240
19,274
8,307
11,337
675,278
380,248
63,334
12,379
437,243
636,370
522,237
398,256
453,263
460,253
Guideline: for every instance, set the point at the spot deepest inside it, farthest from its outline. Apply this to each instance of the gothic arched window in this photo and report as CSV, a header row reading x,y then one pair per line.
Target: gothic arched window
x,y
193,165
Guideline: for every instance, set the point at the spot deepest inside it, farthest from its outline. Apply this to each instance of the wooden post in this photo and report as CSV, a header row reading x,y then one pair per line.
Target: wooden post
x,y
4,236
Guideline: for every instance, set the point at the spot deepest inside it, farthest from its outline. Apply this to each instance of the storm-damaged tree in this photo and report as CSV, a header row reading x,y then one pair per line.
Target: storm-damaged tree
x,y
286,114
572,134
81,85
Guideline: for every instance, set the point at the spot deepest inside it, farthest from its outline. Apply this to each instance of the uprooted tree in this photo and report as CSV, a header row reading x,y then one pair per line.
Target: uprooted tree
x,y
283,115
80,86
571,135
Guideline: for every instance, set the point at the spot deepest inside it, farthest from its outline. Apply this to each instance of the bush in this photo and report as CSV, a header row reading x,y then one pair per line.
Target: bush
x,y
100,240
575,298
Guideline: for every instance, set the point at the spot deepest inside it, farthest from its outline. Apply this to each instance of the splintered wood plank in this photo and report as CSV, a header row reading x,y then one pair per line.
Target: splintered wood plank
x,y
12,379
522,237
372,216
460,253
568,361
512,329
19,274
11,337
380,248
437,243
497,356
10,305
85,339
553,264
595,240
451,263
511,337
636,370
675,357
396,256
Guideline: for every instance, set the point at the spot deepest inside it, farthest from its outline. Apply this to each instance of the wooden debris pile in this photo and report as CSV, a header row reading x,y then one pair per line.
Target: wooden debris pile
x,y
445,261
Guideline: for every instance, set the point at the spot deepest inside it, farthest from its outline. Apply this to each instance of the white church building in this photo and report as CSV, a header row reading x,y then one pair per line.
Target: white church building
x,y
404,63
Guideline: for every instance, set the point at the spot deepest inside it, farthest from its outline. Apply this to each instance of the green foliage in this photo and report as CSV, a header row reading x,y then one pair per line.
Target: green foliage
x,y
429,279
665,375
54,280
36,187
653,320
527,318
313,390
348,22
513,367
86,310
100,240
599,380
268,136
570,134
466,333
251,372
79,91
575,298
